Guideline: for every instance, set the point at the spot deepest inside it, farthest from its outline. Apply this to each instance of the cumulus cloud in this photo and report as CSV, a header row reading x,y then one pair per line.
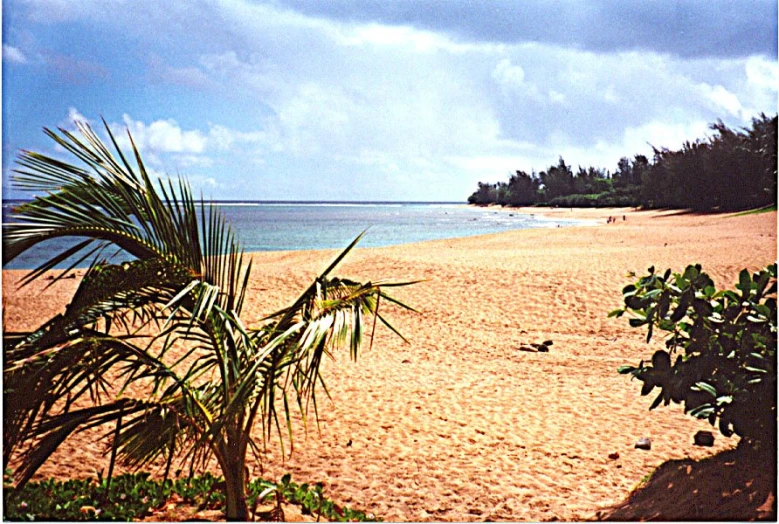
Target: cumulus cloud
x,y
164,136
507,74
13,55
74,117
413,92
398,94
660,134
723,100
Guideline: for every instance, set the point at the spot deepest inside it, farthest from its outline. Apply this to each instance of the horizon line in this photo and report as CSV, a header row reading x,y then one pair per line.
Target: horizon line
x,y
238,201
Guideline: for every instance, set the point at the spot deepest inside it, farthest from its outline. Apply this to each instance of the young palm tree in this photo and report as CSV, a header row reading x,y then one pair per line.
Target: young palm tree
x,y
183,282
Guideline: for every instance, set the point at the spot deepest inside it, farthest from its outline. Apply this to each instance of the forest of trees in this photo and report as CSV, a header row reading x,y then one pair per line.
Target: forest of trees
x,y
731,170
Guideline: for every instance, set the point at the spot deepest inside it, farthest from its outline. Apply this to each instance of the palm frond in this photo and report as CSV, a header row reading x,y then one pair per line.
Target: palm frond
x,y
329,314
186,278
54,430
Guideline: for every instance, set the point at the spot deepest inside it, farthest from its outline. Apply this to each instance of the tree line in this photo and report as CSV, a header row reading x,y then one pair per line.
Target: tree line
x,y
731,170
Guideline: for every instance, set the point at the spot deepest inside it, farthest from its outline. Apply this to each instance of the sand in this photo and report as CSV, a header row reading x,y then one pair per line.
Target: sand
x,y
459,424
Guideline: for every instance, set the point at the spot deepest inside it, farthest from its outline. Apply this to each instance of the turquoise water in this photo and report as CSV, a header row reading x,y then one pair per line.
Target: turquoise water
x,y
283,226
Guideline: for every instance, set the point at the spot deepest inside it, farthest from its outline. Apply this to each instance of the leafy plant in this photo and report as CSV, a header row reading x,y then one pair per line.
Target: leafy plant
x,y
724,343
133,496
311,499
184,284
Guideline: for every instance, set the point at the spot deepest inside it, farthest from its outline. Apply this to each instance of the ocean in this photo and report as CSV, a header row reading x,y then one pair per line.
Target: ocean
x,y
284,226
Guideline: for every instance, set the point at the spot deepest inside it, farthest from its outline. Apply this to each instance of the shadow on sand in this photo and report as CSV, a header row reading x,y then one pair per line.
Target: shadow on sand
x,y
736,484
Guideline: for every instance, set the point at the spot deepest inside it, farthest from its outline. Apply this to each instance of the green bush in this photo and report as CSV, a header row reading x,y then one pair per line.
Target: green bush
x,y
724,342
605,199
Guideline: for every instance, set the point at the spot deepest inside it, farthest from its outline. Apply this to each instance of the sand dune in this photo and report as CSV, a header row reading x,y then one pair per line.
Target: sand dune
x,y
460,425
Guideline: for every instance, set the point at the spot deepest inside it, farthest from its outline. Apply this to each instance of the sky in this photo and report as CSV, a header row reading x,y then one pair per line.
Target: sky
x,y
402,100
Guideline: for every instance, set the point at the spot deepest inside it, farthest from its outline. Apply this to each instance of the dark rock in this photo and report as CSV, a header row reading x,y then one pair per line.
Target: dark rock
x,y
548,342
527,348
406,361
614,456
644,443
543,349
704,438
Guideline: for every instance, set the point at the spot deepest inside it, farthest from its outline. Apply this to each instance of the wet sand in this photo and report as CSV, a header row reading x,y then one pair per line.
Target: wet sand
x,y
460,425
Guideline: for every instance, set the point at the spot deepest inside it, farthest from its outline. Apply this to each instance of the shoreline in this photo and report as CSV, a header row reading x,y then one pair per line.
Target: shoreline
x,y
460,425
585,222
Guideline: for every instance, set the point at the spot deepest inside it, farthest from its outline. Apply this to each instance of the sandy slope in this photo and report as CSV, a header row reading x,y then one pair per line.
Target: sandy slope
x,y
459,424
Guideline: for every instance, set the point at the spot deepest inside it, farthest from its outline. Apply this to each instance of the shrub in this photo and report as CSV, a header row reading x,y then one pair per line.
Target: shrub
x,y
605,199
725,346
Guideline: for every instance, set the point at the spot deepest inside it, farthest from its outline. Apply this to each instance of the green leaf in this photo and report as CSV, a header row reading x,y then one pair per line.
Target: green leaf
x,y
706,388
724,400
744,281
704,411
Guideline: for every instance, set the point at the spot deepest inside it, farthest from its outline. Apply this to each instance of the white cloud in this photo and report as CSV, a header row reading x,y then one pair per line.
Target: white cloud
x,y
556,96
661,135
294,93
723,100
222,138
396,94
74,116
507,74
397,37
203,182
762,73
165,136
13,55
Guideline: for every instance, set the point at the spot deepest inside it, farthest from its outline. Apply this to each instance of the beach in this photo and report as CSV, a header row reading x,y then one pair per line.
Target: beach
x,y
459,424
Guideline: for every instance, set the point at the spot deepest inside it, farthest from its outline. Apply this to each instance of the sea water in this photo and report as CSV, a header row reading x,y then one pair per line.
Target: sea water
x,y
285,226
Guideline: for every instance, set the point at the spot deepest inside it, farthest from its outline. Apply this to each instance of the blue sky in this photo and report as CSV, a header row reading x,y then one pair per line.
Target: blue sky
x,y
382,100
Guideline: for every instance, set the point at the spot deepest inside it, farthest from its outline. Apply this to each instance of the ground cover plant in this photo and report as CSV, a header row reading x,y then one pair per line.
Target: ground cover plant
x,y
720,356
182,284
133,496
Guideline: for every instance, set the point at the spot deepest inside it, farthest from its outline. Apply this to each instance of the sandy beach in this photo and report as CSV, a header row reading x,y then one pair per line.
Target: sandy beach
x,y
459,424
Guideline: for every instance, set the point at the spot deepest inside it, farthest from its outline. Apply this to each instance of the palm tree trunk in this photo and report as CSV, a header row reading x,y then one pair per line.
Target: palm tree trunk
x,y
235,493
232,460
